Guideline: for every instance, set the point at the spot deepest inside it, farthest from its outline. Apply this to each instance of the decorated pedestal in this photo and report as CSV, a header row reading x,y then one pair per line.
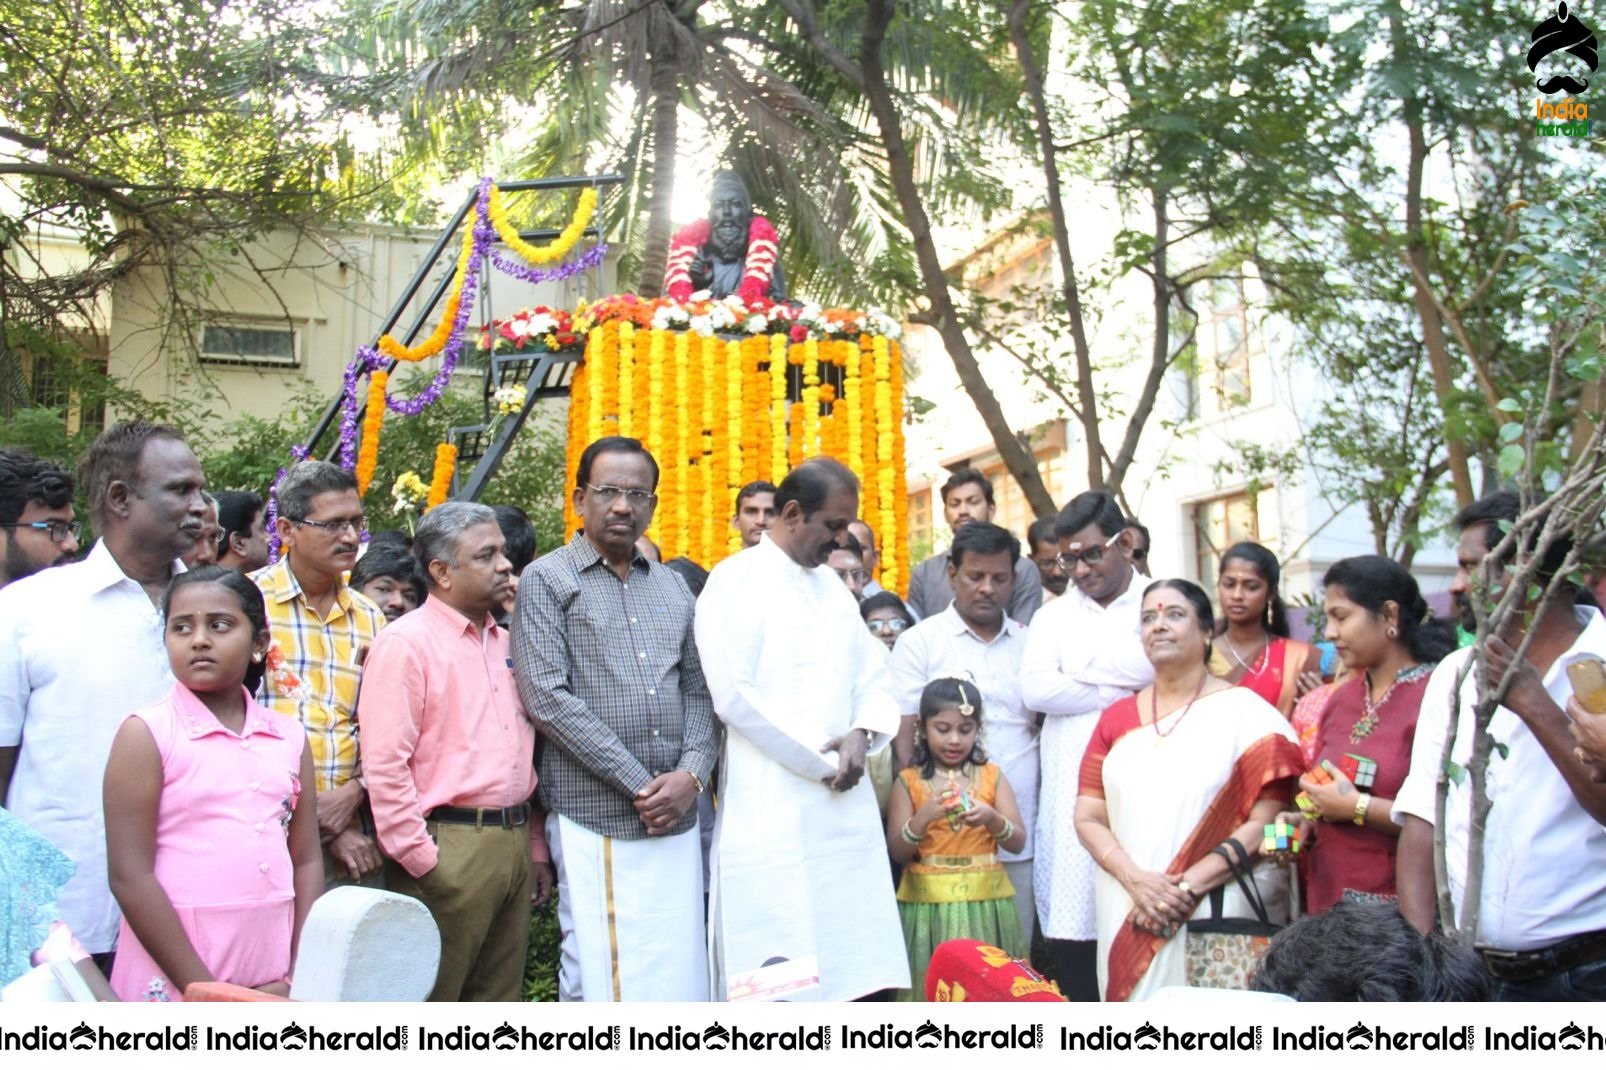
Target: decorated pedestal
x,y
719,411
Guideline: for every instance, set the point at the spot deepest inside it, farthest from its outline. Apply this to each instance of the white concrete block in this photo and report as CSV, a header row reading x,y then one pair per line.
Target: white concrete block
x,y
363,945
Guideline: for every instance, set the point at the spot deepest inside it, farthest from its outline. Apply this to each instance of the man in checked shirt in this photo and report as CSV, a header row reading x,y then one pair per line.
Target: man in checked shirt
x,y
607,666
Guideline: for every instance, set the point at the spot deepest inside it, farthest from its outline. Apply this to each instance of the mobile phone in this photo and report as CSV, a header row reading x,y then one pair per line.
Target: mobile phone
x,y
1589,684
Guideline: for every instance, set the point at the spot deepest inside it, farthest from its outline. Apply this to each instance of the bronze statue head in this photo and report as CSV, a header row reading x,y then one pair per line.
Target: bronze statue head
x,y
730,212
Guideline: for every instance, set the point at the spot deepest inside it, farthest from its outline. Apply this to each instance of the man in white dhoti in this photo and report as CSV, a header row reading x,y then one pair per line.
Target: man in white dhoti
x,y
607,666
1083,653
799,869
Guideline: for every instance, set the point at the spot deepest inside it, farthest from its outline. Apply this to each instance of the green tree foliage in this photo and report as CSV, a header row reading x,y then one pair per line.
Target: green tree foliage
x,y
159,133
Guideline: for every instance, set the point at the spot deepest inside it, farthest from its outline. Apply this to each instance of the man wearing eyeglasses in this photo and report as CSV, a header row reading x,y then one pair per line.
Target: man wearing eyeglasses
x,y
975,636
1082,654
36,518
847,561
321,633
607,666
967,498
83,644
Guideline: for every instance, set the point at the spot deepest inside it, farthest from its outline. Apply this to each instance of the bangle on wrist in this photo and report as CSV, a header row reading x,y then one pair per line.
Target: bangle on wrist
x,y
695,779
1006,832
908,835
1360,808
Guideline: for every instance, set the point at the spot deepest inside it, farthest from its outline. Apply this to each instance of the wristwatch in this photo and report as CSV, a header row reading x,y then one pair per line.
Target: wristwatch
x,y
1360,808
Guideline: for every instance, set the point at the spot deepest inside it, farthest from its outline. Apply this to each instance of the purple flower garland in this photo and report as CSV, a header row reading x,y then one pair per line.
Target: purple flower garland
x,y
369,359
591,258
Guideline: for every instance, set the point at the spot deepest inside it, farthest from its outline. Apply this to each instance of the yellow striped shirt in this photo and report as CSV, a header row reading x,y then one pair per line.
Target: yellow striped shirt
x,y
313,667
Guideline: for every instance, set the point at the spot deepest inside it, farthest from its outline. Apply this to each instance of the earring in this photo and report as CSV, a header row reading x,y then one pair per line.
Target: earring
x,y
257,657
1393,632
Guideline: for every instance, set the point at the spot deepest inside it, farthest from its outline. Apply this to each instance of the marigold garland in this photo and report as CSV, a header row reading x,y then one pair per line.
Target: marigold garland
x,y
373,418
734,375
558,247
440,480
715,413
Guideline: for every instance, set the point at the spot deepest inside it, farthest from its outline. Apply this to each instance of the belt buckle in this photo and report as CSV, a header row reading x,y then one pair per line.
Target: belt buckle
x,y
479,818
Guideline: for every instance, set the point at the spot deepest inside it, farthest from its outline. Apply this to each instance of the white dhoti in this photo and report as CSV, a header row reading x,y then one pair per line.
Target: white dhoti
x,y
631,914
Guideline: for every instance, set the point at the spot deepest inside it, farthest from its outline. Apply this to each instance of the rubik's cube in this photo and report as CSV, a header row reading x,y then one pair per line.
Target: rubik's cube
x,y
1361,771
1279,836
1322,774
1307,806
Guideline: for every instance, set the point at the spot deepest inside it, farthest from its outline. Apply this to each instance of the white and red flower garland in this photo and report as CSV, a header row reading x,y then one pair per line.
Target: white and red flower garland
x,y
759,268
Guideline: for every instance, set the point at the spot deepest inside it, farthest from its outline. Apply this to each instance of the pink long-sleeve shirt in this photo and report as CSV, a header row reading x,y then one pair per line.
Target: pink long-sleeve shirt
x,y
442,725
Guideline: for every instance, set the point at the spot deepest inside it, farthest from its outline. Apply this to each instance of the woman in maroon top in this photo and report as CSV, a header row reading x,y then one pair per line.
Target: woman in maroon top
x,y
1389,642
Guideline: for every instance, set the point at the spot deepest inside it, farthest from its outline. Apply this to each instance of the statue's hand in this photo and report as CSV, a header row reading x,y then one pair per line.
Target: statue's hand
x,y
701,270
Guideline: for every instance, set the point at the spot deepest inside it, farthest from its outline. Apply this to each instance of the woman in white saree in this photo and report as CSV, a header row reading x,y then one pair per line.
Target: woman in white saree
x,y
1169,774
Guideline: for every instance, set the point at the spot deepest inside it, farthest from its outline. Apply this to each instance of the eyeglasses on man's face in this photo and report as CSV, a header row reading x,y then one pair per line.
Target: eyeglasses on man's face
x,y
852,575
357,524
606,495
1090,557
58,530
894,626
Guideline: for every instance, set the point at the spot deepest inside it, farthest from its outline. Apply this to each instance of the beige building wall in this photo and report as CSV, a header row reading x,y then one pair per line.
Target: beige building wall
x,y
306,303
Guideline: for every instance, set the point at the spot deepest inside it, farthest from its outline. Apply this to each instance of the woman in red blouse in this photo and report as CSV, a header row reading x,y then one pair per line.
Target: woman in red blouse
x,y
1389,642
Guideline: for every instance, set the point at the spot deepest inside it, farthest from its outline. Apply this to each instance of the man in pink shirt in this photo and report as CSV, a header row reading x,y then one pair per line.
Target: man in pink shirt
x,y
448,756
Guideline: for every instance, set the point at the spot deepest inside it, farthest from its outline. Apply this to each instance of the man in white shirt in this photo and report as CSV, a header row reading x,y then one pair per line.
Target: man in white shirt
x,y
1542,916
83,644
1083,653
799,869
976,636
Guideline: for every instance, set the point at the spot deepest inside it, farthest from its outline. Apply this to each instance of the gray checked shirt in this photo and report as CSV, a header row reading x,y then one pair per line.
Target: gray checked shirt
x,y
608,671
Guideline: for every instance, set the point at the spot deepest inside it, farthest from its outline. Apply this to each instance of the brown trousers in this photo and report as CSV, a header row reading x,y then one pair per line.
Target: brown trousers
x,y
479,895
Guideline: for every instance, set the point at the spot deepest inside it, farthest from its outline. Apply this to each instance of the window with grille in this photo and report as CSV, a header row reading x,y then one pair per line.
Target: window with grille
x,y
249,344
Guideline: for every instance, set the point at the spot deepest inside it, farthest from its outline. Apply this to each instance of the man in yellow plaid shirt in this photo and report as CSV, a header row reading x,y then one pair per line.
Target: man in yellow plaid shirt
x,y
321,632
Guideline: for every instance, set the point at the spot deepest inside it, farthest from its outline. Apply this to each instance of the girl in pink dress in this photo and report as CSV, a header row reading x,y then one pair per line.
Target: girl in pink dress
x,y
213,849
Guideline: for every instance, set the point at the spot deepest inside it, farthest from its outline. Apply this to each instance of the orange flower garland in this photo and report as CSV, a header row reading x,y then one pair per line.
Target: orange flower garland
x,y
442,333
900,476
777,408
679,537
714,412
708,459
373,418
440,481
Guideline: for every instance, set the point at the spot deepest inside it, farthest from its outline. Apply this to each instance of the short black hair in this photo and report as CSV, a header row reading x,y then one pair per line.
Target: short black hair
x,y
963,476
612,444
519,535
758,486
305,481
1042,532
114,457
1090,507
388,560
25,478
851,544
811,482
1135,525
695,575
237,512
1504,507
983,538
886,600
1364,950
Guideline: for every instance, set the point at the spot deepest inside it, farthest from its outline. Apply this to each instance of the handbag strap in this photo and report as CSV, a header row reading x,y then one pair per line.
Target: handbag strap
x,y
1242,870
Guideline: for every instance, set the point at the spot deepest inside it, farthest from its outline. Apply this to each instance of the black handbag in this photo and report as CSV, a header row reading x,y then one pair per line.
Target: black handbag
x,y
1222,952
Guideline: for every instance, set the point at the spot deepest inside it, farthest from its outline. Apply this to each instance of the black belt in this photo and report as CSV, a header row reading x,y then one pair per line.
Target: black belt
x,y
479,816
1532,965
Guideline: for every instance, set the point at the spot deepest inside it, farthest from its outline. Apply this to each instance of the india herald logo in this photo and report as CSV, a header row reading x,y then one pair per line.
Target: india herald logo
x,y
1563,32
